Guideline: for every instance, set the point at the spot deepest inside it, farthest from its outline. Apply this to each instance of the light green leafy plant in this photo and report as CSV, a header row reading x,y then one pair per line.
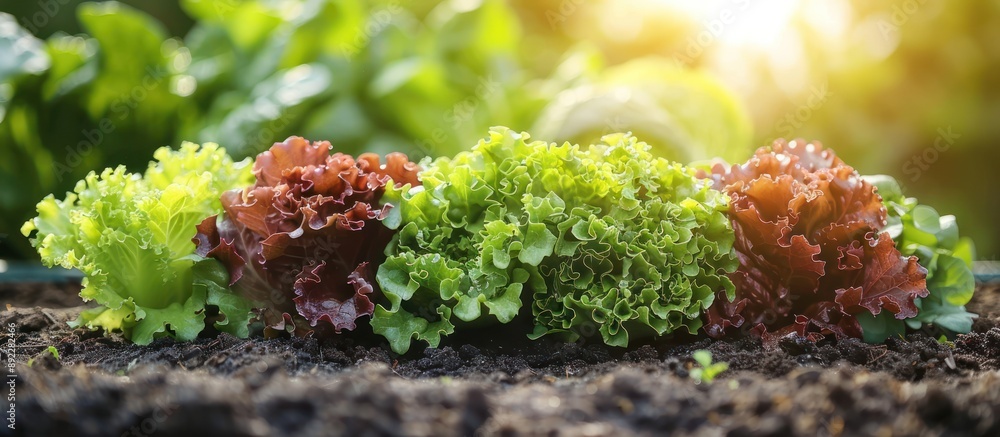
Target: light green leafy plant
x,y
605,236
131,236
920,231
51,350
706,371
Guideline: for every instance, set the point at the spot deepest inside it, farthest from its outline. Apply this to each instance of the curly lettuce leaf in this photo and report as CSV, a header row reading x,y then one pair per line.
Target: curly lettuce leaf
x,y
130,235
813,259
301,241
605,236
921,232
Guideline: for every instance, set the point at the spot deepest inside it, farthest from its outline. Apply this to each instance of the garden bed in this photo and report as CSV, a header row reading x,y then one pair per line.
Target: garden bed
x,y
476,382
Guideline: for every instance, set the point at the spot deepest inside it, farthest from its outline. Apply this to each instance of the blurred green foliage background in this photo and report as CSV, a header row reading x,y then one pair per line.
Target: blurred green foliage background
x,y
908,88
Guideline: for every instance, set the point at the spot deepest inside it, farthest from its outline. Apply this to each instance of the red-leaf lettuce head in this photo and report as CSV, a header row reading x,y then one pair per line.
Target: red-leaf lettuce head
x,y
301,241
811,254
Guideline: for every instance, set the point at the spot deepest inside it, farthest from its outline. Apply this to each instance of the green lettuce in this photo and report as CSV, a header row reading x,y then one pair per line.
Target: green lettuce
x,y
131,236
920,231
605,239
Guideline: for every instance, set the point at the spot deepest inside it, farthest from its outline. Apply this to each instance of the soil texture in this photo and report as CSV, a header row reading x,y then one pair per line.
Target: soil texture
x,y
476,384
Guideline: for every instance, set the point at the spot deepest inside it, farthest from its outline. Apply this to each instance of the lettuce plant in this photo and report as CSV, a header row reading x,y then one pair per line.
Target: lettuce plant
x,y
812,257
130,235
920,231
604,237
302,241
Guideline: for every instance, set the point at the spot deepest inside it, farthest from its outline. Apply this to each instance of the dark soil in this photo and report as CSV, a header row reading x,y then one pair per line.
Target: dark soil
x,y
42,294
481,385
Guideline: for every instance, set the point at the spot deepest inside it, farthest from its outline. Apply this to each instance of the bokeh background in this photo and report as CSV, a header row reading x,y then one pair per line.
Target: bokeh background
x,y
909,88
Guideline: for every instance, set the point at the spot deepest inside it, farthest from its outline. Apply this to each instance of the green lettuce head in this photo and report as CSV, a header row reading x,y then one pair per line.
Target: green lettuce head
x,y
131,236
605,239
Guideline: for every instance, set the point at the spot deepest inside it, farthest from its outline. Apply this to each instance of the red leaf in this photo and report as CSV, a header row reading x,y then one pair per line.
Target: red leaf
x,y
270,166
210,244
321,297
298,242
805,226
890,281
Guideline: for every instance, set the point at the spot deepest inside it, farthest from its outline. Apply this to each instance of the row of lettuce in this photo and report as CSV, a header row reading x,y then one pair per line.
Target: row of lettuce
x,y
604,240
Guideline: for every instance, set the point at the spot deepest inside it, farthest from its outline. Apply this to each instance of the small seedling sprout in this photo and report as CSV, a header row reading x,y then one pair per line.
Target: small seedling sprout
x,y
51,350
705,371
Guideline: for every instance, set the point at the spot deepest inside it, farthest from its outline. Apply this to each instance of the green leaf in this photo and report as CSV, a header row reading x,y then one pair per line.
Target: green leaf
x,y
948,236
468,308
73,65
878,329
606,236
394,278
400,327
926,219
918,230
185,320
212,277
953,281
120,319
950,317
23,53
707,371
703,357
130,235
506,306
130,43
538,244
275,102
887,187
965,250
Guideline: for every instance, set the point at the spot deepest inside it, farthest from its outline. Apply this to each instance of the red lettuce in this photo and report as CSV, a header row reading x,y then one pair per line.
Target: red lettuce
x,y
810,249
303,242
